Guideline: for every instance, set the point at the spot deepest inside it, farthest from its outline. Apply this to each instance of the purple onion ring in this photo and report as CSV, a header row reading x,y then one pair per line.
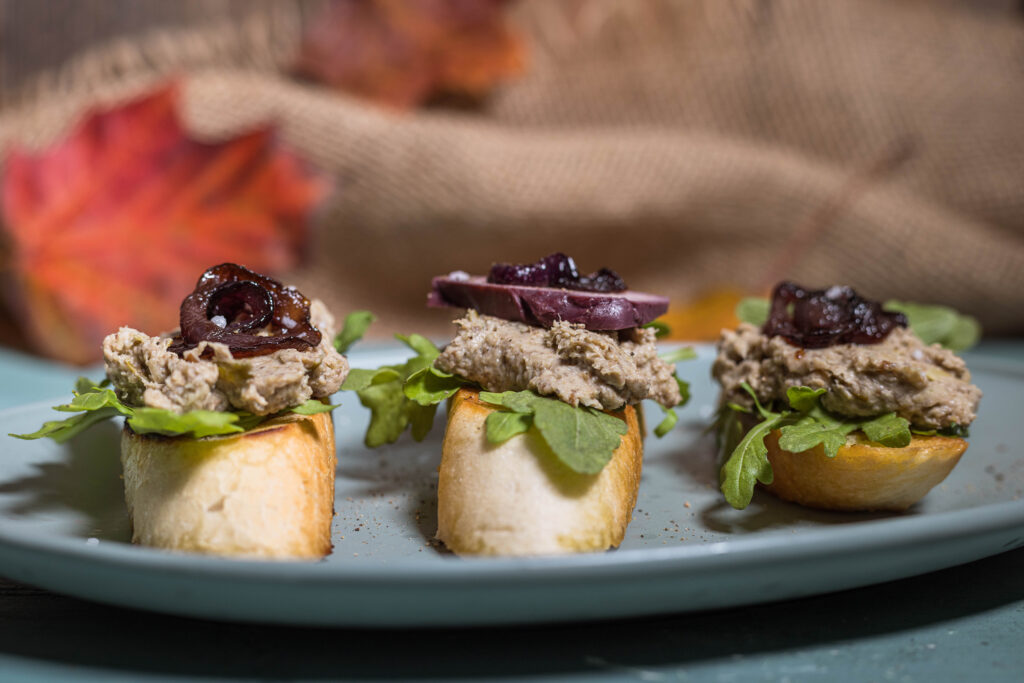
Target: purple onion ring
x,y
252,314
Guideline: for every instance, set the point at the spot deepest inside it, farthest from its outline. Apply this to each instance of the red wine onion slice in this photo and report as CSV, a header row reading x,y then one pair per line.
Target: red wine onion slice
x,y
544,306
231,304
240,307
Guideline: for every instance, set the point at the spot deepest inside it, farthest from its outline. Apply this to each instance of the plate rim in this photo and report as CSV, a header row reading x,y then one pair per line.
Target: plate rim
x,y
995,517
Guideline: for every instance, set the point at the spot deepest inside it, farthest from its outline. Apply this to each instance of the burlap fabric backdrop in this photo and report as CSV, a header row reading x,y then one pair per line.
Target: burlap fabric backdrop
x,y
681,143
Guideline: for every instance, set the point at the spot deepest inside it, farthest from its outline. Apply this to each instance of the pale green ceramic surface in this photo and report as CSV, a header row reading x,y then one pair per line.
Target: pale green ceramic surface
x,y
63,527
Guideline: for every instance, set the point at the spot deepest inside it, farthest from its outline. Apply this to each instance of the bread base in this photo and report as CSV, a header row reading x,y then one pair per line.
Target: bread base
x,y
862,475
517,498
265,493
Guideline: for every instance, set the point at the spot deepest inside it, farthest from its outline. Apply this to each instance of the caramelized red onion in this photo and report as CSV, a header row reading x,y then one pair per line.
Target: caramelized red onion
x,y
247,305
815,319
555,270
251,313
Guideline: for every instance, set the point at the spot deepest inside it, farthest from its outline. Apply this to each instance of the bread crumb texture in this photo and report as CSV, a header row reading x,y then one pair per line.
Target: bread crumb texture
x,y
266,493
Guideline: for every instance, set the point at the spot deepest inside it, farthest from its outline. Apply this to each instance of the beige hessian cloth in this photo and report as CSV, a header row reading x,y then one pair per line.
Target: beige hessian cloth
x,y
680,143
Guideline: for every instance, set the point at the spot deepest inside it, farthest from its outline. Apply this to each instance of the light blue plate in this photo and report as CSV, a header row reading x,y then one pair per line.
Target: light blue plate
x,y
63,526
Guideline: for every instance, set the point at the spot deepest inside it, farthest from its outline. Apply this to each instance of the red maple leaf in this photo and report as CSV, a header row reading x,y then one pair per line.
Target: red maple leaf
x,y
113,225
403,52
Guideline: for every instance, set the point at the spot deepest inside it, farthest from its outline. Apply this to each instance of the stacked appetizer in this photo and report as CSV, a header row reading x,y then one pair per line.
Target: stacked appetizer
x,y
543,447
227,446
835,403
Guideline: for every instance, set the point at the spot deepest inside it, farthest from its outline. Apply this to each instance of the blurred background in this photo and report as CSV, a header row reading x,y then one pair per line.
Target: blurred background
x,y
703,149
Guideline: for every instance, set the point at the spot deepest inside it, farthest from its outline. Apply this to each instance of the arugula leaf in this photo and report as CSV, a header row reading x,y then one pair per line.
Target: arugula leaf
x,y
684,353
954,429
356,324
503,425
939,324
63,430
803,399
95,403
423,347
964,335
661,328
195,423
667,423
753,310
429,386
584,439
671,418
930,323
748,464
748,459
421,419
389,415
818,426
360,378
727,427
806,426
94,399
684,391
516,401
313,406
248,420
765,413
84,385
888,430
809,431
404,395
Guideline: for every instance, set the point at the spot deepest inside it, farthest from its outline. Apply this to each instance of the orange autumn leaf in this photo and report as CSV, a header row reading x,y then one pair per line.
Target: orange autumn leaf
x,y
403,52
704,317
113,225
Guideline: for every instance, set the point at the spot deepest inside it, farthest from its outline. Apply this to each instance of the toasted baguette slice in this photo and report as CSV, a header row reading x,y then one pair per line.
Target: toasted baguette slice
x,y
517,498
862,476
265,493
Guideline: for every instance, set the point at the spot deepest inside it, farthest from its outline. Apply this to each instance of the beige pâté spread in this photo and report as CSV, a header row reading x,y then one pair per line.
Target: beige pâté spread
x,y
927,385
605,370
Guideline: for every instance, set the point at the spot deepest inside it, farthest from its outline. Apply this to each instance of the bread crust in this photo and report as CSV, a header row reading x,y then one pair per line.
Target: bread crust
x,y
517,498
265,493
862,475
